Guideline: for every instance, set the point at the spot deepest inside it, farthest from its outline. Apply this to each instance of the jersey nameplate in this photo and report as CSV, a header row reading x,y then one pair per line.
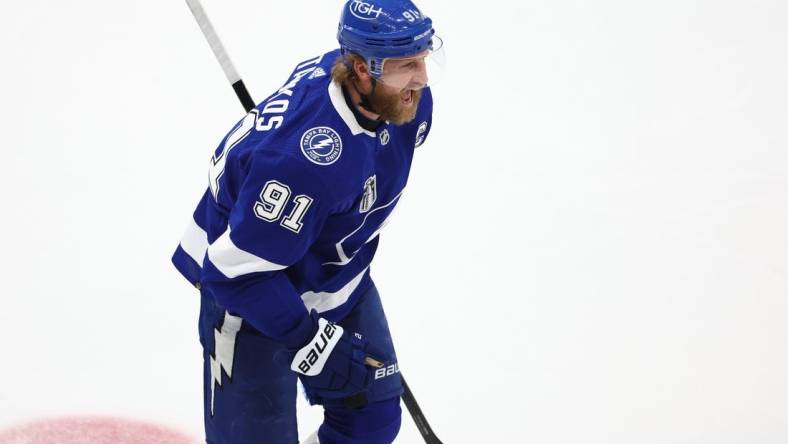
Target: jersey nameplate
x,y
271,116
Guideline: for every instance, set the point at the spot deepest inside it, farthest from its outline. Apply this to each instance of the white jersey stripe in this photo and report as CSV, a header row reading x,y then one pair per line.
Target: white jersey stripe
x,y
383,225
338,100
325,301
344,259
232,262
313,439
195,242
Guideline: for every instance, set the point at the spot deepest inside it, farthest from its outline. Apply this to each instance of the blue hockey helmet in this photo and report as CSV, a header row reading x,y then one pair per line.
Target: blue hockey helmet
x,y
378,30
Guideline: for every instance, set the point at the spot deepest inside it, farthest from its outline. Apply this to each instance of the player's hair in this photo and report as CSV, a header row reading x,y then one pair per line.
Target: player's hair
x,y
343,67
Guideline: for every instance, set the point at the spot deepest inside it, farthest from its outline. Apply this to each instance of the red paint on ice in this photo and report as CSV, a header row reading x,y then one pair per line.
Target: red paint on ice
x,y
92,431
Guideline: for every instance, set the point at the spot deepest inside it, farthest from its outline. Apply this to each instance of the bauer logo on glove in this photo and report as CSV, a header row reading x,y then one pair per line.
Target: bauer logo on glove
x,y
310,359
335,363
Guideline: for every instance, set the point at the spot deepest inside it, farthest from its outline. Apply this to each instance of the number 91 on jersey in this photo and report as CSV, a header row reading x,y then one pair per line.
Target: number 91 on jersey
x,y
274,198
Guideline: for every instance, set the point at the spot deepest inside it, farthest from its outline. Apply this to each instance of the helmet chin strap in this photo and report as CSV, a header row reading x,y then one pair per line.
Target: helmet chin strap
x,y
365,102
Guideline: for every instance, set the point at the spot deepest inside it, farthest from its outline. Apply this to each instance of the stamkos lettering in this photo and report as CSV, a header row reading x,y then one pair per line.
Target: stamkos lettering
x,y
276,107
315,61
271,116
288,88
318,347
364,10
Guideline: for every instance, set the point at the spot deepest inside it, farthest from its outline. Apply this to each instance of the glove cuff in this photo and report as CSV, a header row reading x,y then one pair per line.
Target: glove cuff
x,y
303,332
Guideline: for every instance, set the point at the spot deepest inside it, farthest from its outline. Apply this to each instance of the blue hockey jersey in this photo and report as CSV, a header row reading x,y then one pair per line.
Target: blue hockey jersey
x,y
298,193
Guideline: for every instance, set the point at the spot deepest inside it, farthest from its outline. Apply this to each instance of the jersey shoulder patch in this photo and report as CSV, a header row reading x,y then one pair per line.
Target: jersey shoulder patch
x,y
322,145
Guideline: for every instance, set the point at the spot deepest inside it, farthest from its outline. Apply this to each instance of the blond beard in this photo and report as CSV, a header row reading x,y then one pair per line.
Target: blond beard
x,y
390,107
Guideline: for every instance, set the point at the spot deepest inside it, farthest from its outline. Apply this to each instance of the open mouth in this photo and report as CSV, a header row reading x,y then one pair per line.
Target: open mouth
x,y
406,96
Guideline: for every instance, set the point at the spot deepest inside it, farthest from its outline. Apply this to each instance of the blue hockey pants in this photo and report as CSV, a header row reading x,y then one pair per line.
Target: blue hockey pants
x,y
250,398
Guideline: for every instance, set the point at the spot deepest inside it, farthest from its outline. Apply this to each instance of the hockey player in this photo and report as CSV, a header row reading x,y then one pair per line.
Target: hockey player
x,y
280,244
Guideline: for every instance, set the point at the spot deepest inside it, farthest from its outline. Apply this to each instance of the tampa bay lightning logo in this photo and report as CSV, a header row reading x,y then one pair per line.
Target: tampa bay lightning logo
x,y
321,145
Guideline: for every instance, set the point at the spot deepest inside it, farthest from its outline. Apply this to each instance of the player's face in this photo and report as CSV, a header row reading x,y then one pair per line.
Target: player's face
x,y
398,93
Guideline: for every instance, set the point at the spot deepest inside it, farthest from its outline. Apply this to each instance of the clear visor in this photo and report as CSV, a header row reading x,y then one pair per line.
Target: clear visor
x,y
416,72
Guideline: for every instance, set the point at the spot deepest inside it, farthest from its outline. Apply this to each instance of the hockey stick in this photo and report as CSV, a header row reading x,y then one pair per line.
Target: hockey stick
x,y
246,100
221,54
417,415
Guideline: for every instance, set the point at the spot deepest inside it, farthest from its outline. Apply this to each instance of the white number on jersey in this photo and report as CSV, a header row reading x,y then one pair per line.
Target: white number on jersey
x,y
218,162
272,202
293,221
274,198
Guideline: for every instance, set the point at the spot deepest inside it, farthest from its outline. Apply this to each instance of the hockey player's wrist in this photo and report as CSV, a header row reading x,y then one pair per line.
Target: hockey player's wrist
x,y
303,332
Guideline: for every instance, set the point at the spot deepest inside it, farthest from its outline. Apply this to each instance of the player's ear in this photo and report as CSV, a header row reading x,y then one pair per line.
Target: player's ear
x,y
361,70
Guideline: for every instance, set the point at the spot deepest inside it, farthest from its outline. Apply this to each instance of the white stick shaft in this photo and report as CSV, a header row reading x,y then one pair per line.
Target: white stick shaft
x,y
213,40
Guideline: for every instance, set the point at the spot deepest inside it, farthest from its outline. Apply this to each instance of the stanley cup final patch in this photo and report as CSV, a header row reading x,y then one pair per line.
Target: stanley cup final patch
x,y
370,194
321,145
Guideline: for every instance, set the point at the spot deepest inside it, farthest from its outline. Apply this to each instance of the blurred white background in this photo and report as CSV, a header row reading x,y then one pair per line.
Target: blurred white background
x,y
592,247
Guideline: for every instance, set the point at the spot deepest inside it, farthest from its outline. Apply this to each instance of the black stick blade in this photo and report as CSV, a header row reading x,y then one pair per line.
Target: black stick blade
x,y
418,415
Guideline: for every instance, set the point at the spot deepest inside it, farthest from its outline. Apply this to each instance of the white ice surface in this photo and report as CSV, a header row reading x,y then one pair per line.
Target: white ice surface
x,y
592,247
